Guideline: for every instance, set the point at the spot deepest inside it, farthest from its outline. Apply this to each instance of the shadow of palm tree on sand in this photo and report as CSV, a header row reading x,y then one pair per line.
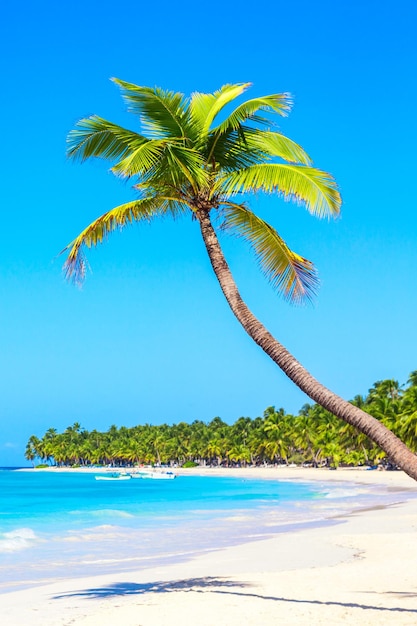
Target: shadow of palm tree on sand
x,y
211,585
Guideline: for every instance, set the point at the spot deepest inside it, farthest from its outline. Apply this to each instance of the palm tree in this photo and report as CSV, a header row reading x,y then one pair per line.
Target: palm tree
x,y
304,434
239,453
32,449
412,379
187,161
215,449
385,389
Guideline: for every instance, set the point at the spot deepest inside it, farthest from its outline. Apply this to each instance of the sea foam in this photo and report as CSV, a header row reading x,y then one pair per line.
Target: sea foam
x,y
17,539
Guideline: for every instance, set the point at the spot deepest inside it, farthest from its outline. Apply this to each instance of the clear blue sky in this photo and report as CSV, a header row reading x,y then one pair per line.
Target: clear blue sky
x,y
149,338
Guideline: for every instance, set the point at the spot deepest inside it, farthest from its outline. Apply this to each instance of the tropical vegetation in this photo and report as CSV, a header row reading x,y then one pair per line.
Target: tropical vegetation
x,y
314,437
193,159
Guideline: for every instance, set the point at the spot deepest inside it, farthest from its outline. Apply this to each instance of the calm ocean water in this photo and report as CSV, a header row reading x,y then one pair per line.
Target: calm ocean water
x,y
60,525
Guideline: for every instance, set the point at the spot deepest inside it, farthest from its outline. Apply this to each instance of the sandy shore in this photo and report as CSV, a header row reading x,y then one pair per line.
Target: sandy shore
x,y
359,571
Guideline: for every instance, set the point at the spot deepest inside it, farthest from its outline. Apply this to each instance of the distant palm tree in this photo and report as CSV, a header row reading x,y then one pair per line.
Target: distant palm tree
x,y
412,379
389,388
187,161
32,449
239,453
276,428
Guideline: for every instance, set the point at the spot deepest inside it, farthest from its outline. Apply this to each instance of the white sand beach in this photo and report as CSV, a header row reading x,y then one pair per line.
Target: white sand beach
x,y
359,571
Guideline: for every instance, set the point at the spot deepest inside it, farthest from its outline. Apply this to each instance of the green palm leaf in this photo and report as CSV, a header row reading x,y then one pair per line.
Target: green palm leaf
x,y
164,112
232,153
276,103
182,166
205,106
248,146
312,187
96,137
276,145
292,275
143,209
141,159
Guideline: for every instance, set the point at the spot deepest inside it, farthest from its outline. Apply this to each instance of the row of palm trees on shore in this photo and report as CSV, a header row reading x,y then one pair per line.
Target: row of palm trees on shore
x,y
314,436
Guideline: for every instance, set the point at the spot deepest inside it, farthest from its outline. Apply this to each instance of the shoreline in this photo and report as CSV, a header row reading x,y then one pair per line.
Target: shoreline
x,y
359,475
358,569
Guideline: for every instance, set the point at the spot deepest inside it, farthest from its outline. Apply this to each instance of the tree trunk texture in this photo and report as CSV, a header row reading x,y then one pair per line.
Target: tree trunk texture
x,y
395,449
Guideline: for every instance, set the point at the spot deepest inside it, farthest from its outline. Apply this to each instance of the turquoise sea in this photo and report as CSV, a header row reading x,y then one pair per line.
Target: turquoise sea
x,y
64,524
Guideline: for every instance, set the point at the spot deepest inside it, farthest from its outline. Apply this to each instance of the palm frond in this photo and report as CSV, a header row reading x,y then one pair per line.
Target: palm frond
x,y
138,210
182,164
249,146
96,137
164,112
247,111
141,159
280,103
276,145
289,273
205,106
316,189
232,153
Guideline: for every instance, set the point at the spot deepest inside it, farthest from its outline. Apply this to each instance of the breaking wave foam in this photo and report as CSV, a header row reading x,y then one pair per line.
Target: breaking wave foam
x,y
16,540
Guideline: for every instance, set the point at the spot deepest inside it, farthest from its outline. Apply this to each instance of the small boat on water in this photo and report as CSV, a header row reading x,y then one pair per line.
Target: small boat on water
x,y
153,475
114,476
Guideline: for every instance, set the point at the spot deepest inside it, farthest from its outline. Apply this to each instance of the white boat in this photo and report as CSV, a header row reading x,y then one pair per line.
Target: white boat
x,y
114,477
154,475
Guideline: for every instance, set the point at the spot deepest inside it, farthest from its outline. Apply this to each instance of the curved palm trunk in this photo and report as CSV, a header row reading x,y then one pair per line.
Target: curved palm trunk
x,y
395,449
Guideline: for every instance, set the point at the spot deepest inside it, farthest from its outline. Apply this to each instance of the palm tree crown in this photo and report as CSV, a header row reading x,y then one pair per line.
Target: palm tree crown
x,y
186,160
